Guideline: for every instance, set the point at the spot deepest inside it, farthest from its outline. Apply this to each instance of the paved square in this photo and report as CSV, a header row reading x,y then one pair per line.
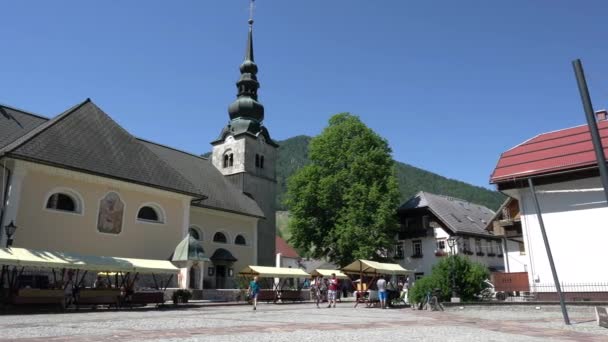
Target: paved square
x,y
304,322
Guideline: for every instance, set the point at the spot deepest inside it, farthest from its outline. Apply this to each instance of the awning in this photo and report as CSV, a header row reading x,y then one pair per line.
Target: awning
x,y
189,249
221,254
374,267
327,273
273,272
35,258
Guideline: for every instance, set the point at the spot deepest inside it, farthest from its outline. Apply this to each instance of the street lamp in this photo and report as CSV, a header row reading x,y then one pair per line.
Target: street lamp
x,y
10,231
452,243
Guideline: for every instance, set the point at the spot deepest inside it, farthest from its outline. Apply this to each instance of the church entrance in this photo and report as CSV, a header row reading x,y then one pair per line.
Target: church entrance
x,y
220,276
194,278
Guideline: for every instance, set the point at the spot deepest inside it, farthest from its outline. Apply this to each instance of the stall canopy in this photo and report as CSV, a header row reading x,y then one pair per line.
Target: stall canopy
x,y
273,272
327,273
35,258
369,267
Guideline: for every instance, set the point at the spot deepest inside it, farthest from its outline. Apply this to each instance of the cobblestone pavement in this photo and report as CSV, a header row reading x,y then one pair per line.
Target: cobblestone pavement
x,y
304,322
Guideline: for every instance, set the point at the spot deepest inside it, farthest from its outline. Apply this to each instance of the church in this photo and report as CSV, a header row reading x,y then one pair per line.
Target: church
x,y
80,183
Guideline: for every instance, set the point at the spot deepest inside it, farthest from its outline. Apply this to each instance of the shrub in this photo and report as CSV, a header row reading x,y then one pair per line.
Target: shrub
x,y
181,296
469,279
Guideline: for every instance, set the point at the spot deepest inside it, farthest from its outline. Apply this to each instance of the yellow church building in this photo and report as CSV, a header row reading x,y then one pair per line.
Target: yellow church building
x,y
80,183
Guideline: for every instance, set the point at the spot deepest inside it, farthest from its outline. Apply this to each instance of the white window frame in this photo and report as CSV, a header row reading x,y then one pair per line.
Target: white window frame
x,y
160,212
199,230
73,194
229,240
244,237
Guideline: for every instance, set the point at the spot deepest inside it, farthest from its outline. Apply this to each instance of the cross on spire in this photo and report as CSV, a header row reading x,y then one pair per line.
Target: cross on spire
x,y
251,8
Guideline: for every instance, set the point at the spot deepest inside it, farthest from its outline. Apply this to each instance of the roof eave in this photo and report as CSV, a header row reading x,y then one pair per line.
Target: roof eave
x,y
71,168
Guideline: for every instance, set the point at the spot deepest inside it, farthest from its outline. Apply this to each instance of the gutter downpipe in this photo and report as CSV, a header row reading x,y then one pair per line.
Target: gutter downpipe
x,y
5,171
549,254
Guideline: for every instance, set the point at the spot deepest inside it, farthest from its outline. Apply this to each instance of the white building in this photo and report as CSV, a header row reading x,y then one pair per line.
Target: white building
x,y
563,168
428,221
507,225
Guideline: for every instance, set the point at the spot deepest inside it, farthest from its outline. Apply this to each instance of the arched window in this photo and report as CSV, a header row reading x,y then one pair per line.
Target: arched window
x,y
63,202
257,160
195,233
262,162
231,159
150,213
240,240
225,160
220,237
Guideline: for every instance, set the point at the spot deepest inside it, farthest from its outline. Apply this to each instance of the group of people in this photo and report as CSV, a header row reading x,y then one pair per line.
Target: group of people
x,y
321,287
328,287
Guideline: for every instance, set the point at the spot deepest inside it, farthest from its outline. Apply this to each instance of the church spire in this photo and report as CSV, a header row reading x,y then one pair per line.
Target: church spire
x,y
246,106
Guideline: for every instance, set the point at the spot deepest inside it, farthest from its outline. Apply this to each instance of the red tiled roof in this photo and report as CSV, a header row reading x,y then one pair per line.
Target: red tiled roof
x,y
566,149
286,250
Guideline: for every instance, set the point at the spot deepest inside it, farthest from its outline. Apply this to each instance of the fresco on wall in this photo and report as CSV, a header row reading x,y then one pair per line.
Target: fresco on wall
x,y
111,210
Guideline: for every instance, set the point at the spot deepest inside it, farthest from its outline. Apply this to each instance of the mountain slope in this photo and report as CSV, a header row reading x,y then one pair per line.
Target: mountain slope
x,y
293,154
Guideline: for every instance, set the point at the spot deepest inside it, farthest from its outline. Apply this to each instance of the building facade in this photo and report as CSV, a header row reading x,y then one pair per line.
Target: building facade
x,y
428,221
80,183
564,172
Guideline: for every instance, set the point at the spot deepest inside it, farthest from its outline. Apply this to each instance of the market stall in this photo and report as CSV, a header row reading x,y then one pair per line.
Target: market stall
x,y
68,276
276,291
368,272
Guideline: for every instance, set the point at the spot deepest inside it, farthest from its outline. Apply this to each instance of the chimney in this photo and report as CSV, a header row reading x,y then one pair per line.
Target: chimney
x,y
601,115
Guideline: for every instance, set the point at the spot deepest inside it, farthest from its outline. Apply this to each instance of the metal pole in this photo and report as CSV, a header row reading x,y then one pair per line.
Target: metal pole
x,y
590,114
454,295
549,255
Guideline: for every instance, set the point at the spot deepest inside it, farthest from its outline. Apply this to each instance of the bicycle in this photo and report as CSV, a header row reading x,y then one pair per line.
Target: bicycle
x,y
431,302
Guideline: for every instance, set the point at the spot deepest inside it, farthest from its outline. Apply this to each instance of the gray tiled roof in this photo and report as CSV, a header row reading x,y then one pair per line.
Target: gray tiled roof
x,y
221,194
458,215
86,139
17,124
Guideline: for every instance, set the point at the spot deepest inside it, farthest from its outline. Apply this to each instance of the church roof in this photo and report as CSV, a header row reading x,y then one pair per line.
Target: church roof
x,y
221,194
86,139
460,216
15,123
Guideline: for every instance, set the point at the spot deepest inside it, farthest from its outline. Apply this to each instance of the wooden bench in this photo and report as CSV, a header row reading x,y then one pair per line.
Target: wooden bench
x,y
267,296
290,295
98,297
39,296
146,298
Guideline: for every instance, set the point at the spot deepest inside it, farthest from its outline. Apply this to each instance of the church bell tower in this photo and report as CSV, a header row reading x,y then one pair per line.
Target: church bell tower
x,y
246,155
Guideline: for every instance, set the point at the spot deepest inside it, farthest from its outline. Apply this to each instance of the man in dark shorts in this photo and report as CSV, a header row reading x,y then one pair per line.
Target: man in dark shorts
x,y
254,290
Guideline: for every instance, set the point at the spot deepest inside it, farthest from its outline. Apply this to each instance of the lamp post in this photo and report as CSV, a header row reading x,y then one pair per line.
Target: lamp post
x,y
10,231
451,244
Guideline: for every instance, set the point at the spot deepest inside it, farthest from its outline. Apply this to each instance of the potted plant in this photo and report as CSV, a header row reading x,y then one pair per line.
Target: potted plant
x,y
440,253
181,296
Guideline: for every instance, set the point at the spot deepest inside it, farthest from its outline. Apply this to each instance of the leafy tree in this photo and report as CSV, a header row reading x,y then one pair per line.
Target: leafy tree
x,y
343,202
469,279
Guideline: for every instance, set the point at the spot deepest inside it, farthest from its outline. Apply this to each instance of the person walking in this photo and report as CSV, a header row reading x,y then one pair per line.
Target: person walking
x,y
254,290
381,285
317,289
332,290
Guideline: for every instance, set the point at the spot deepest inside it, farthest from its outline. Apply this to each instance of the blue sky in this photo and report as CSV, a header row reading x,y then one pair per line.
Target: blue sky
x,y
450,84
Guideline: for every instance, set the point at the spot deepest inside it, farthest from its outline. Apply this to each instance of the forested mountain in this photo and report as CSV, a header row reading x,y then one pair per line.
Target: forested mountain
x,y
293,154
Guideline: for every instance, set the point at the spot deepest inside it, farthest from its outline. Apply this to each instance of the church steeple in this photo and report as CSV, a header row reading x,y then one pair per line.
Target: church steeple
x,y
246,112
246,106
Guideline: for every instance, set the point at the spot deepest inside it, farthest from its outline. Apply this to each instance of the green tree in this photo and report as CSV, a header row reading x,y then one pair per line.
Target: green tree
x,y
469,279
343,202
